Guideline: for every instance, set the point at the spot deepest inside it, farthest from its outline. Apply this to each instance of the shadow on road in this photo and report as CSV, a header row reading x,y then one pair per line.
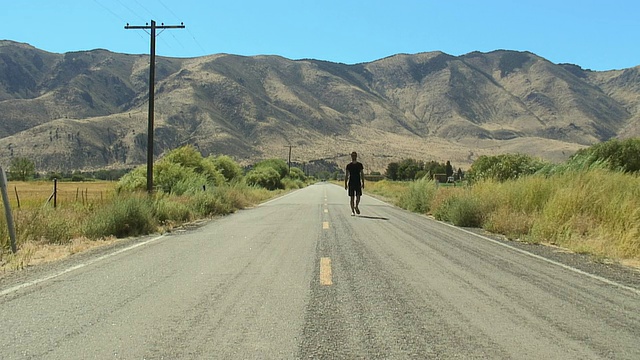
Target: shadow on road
x,y
373,217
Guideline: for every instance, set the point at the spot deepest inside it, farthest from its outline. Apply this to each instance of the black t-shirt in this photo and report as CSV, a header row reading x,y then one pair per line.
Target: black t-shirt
x,y
354,169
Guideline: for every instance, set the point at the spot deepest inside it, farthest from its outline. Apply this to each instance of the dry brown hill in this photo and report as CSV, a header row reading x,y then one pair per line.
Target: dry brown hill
x,y
88,110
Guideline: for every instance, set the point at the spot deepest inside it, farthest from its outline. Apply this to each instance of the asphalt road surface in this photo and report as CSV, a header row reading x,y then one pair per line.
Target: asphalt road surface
x,y
300,278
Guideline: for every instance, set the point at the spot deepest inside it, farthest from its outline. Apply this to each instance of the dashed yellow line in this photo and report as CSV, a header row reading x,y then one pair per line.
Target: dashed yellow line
x,y
326,211
325,225
325,271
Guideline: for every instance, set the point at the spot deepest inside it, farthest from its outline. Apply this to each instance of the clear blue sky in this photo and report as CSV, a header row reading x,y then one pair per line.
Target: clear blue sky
x,y
598,35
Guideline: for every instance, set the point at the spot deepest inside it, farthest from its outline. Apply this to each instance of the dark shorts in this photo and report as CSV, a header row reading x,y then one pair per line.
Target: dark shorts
x,y
355,190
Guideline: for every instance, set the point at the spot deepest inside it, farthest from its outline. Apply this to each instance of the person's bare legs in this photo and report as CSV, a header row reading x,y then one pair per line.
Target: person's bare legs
x,y
352,205
357,203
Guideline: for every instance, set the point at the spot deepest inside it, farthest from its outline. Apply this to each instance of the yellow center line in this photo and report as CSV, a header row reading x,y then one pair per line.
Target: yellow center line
x,y
326,211
325,271
325,224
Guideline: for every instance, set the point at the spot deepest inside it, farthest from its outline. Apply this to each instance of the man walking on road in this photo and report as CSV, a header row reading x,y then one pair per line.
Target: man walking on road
x,y
354,182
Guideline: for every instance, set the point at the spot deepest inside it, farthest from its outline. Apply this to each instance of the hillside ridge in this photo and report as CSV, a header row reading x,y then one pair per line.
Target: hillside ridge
x,y
88,109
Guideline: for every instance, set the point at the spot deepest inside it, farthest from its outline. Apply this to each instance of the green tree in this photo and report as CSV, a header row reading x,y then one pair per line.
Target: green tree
x,y
434,167
504,167
448,169
21,169
408,168
392,171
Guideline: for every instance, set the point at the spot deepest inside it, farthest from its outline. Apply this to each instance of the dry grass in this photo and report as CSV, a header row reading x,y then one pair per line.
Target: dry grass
x,y
30,194
595,212
81,222
389,191
34,253
44,233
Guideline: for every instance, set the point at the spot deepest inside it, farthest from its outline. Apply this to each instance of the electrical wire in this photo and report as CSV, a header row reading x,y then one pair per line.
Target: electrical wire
x,y
115,15
166,7
133,12
144,8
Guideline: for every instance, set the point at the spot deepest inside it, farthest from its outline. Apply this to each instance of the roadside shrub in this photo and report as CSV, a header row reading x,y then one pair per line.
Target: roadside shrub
x,y
279,165
503,167
186,156
289,183
172,210
243,195
265,177
461,210
419,196
167,174
228,168
46,225
297,174
5,240
617,155
392,191
211,203
211,172
129,215
190,184
135,180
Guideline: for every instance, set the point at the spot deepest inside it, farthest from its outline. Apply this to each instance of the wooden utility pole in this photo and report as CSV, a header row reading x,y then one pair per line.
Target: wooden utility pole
x,y
152,77
7,210
290,146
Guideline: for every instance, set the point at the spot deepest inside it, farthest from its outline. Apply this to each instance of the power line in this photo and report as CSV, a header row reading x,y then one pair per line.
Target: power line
x,y
114,14
204,52
109,10
166,7
128,8
144,8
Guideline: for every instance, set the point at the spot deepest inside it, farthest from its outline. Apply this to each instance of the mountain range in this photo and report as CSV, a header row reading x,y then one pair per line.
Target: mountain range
x,y
88,110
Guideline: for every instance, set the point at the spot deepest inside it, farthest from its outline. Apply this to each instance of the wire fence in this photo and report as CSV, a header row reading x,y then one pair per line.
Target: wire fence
x,y
57,194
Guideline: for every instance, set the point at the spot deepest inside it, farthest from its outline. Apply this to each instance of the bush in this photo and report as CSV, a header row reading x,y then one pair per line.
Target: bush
x,y
191,184
279,165
289,183
614,154
135,180
419,196
503,167
129,215
45,225
209,203
166,175
227,167
186,156
461,211
297,174
212,174
265,177
171,210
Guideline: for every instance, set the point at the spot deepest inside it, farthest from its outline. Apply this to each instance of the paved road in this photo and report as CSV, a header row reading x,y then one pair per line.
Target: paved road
x,y
299,278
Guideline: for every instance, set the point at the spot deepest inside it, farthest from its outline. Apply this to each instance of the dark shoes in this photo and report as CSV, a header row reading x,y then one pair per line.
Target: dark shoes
x,y
357,211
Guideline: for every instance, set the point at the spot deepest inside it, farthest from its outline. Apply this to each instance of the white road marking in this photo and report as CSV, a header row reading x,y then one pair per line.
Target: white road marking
x,y
76,267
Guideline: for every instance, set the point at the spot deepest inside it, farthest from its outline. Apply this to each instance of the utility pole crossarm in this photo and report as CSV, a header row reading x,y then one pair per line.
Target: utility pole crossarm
x,y
181,26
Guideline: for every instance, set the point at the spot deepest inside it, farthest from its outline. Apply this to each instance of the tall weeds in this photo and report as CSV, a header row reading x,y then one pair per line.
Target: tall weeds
x,y
419,196
594,211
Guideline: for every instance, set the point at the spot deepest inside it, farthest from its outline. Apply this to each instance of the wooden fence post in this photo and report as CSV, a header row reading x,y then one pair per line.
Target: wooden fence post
x,y
7,210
